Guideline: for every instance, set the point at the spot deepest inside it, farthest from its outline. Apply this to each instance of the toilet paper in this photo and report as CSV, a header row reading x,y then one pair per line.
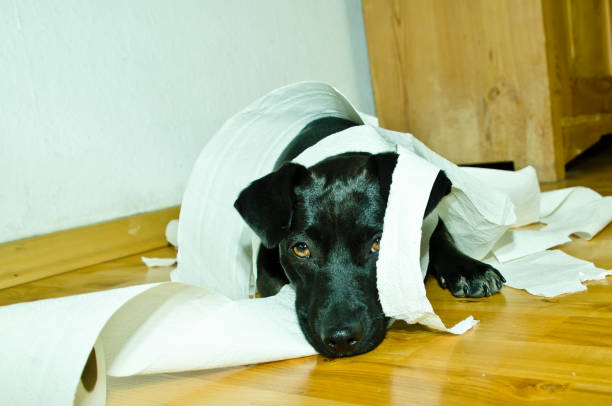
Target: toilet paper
x,y
172,232
59,351
56,351
548,273
91,388
578,210
400,278
155,262
45,346
246,148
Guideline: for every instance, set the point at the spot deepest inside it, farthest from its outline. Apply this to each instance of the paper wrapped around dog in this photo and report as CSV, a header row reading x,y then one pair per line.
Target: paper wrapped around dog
x,y
55,352
246,147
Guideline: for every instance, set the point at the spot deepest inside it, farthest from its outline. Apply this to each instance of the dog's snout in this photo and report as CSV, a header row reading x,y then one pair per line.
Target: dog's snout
x,y
344,340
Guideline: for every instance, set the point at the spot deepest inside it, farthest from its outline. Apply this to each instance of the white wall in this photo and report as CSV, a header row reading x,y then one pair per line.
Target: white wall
x,y
104,105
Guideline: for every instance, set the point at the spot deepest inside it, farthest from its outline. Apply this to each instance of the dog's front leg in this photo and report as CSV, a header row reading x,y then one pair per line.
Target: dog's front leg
x,y
462,275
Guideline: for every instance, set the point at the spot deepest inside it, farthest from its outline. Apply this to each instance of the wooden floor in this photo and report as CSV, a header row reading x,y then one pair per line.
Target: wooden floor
x,y
526,349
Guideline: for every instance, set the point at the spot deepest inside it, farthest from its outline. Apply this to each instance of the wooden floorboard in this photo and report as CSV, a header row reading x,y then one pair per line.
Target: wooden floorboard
x,y
52,254
126,271
525,350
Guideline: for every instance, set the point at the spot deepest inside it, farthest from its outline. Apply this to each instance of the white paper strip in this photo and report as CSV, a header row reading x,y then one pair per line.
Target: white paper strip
x,y
157,262
578,210
400,281
176,327
521,186
549,273
582,212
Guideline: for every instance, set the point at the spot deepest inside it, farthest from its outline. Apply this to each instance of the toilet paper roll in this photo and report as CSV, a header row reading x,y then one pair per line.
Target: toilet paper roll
x,y
91,388
46,345
172,232
58,352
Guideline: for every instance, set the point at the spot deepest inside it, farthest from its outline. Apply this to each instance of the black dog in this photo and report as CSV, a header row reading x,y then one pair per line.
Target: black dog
x,y
320,229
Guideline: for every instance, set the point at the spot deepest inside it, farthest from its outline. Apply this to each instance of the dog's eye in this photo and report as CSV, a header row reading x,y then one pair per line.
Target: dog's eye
x,y
301,250
375,245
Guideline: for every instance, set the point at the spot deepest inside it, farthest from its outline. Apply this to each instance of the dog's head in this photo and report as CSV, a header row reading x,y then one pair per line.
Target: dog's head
x,y
327,221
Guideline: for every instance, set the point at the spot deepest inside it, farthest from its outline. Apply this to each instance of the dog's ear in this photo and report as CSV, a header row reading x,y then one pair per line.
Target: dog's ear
x,y
384,164
267,204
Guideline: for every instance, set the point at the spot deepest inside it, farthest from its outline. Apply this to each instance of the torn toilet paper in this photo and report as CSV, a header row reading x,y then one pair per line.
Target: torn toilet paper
x,y
402,291
578,210
548,273
202,322
155,262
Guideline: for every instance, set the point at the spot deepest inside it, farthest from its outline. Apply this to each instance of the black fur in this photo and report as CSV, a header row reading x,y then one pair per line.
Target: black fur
x,y
267,204
336,209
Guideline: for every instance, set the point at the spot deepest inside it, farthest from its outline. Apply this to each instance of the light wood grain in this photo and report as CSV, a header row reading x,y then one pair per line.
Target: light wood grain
x,y
593,168
121,272
39,257
580,34
489,81
526,349
580,132
468,78
589,36
556,21
592,94
558,48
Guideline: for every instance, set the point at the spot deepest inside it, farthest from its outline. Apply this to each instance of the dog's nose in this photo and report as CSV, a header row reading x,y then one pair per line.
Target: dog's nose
x,y
342,341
